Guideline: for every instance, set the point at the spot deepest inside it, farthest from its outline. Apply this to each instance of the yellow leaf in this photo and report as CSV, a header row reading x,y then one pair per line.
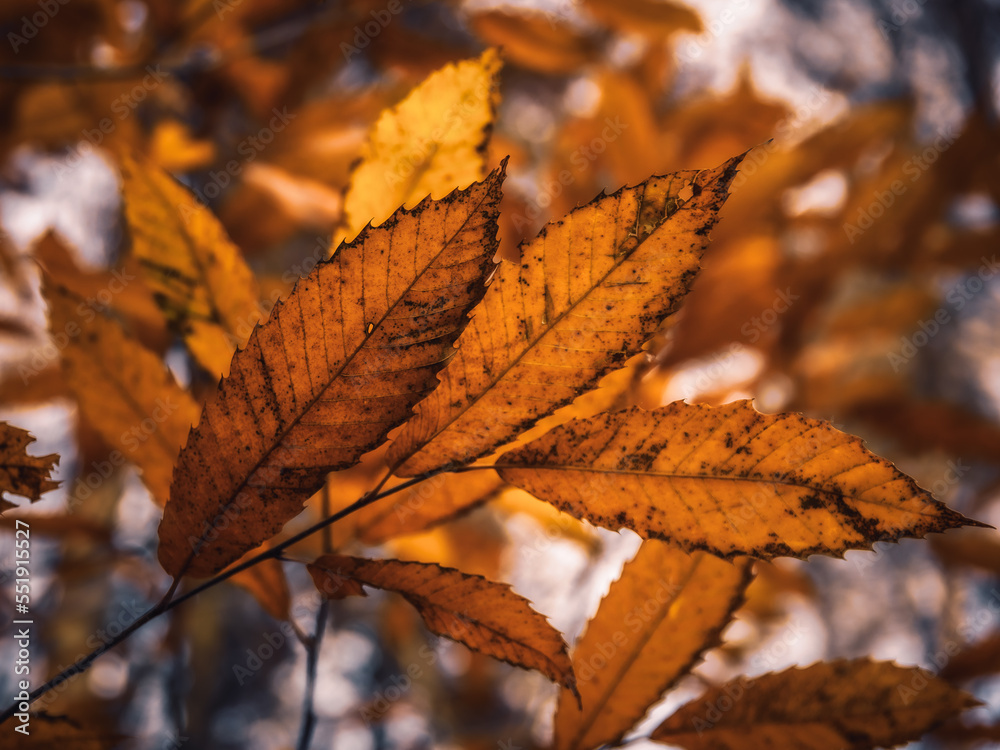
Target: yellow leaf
x,y
589,291
665,610
172,147
834,705
197,275
21,474
728,480
339,364
431,142
124,390
654,17
484,615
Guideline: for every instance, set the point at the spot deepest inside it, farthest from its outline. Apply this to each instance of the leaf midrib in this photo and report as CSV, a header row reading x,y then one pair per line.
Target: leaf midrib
x,y
548,327
632,657
664,475
280,436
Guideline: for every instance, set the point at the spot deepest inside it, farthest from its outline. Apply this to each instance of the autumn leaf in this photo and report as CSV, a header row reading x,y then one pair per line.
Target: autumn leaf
x,y
339,363
21,474
726,479
484,615
428,144
537,40
124,391
654,17
589,291
140,411
437,500
826,706
665,610
197,275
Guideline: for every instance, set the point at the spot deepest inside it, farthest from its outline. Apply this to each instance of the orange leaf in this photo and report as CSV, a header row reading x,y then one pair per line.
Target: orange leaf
x,y
827,706
338,365
665,610
728,480
484,615
589,291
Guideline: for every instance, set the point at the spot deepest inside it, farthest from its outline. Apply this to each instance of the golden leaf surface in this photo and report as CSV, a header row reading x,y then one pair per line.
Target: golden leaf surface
x,y
124,390
728,480
339,363
589,291
21,474
197,274
429,143
484,615
651,628
855,704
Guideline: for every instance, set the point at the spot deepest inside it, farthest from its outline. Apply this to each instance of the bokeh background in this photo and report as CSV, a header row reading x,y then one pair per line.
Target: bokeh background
x,y
853,277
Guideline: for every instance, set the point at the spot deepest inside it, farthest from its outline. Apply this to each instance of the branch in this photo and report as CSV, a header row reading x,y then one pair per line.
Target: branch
x,y
167,603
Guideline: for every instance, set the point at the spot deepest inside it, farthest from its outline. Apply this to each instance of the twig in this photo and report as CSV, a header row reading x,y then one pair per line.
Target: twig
x,y
165,604
312,659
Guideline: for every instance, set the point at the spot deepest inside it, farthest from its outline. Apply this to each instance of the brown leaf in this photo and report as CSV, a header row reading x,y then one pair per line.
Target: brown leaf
x,y
484,615
125,391
728,480
21,474
590,290
197,275
979,659
654,17
538,41
339,363
826,706
665,610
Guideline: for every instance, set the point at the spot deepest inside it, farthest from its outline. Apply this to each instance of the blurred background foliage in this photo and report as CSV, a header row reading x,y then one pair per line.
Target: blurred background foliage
x,y
852,277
